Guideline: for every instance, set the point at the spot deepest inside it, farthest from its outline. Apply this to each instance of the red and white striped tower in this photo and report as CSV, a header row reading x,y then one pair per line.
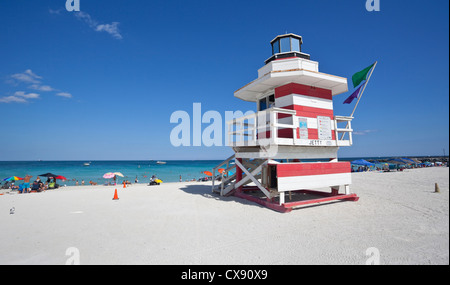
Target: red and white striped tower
x,y
290,145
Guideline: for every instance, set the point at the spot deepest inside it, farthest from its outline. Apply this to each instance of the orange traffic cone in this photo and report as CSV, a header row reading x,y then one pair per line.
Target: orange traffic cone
x,y
115,195
124,185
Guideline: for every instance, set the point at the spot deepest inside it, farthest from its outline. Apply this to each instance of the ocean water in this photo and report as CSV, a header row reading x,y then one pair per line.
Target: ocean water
x,y
76,171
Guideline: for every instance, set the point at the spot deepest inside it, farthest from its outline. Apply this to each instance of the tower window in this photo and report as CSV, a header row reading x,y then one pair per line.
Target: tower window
x,y
295,44
266,103
276,47
285,45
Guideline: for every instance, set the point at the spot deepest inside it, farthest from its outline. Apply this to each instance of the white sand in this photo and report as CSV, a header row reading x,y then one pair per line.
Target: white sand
x,y
183,223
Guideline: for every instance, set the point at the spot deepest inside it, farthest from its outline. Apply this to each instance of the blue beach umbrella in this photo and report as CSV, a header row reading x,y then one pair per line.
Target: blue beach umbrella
x,y
410,161
362,162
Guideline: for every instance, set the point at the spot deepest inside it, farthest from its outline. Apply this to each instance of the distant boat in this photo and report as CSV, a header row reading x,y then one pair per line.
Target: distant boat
x,y
87,163
161,162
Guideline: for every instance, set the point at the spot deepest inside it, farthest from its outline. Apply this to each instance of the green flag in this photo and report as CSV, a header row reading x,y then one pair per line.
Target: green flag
x,y
358,77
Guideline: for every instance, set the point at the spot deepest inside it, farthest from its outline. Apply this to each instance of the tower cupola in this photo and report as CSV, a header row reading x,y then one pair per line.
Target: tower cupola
x,y
287,45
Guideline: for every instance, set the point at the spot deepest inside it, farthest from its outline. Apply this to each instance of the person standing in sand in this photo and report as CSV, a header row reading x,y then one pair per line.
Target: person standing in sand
x,y
26,183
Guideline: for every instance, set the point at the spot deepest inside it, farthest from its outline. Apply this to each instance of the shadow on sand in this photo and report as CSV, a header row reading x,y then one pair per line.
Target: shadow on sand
x,y
206,192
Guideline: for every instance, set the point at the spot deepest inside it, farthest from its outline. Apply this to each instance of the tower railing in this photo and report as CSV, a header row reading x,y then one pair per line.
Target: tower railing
x,y
264,128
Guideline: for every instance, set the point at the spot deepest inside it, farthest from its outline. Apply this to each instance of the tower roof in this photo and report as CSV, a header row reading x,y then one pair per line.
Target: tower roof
x,y
289,65
285,46
287,35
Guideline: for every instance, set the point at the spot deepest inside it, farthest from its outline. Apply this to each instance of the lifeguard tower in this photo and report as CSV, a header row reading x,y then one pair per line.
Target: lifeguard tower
x,y
289,146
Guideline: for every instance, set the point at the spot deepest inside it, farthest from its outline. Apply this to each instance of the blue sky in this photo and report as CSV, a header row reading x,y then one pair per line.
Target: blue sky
x,y
102,83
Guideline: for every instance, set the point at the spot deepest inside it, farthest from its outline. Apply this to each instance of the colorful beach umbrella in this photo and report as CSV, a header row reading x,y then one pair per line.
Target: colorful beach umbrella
x,y
221,170
60,177
207,173
108,175
118,174
12,178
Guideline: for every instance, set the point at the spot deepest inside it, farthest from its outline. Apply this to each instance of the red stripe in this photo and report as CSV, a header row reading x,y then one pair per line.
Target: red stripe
x,y
300,89
303,169
309,112
286,58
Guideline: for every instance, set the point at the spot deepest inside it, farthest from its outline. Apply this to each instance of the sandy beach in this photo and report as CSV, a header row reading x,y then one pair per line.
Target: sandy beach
x,y
398,214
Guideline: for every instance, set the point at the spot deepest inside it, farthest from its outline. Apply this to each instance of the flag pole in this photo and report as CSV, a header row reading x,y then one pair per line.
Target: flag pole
x,y
364,88
360,95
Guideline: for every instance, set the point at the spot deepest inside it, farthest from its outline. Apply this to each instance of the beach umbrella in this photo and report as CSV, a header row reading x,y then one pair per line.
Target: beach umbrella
x,y
362,162
395,162
60,177
410,161
118,174
48,175
221,170
416,160
108,175
12,178
207,173
398,161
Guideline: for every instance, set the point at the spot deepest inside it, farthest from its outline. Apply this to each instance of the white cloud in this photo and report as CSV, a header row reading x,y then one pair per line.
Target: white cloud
x,y
28,77
32,81
363,132
111,29
86,18
45,88
64,94
12,99
26,96
19,97
29,72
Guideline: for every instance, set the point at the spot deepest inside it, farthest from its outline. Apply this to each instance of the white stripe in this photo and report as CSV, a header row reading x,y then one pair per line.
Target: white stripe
x,y
312,122
313,181
302,100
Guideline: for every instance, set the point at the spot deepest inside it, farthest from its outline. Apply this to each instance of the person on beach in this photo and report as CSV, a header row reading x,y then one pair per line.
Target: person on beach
x,y
37,185
52,184
14,187
26,183
136,180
